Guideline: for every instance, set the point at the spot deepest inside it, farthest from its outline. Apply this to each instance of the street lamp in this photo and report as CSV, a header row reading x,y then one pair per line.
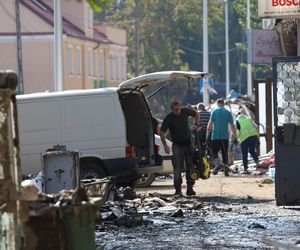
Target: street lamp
x,y
58,47
205,53
227,48
249,68
227,61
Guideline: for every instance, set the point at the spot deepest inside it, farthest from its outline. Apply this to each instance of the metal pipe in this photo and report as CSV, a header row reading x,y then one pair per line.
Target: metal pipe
x,y
58,47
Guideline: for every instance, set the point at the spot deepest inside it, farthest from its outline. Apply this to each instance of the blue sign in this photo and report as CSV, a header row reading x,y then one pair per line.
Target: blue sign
x,y
201,85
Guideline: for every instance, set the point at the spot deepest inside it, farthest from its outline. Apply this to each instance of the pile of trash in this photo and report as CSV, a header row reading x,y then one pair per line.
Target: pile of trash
x,y
266,166
55,221
130,210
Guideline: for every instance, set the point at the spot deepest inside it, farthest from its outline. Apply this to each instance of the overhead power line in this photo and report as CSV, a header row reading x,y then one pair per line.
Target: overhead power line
x,y
220,52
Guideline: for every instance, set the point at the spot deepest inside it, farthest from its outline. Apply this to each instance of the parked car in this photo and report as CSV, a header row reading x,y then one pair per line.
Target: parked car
x,y
110,127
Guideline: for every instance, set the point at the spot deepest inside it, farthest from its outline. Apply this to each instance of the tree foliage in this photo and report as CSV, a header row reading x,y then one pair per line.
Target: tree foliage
x,y
171,35
98,5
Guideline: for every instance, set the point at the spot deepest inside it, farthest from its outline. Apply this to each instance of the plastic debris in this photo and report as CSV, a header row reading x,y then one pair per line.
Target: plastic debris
x,y
256,226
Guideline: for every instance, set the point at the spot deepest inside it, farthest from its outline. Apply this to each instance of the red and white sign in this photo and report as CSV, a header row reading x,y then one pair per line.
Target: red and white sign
x,y
265,46
279,8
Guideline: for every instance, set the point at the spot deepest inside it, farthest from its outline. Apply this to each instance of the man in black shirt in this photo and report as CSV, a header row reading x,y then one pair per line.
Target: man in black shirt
x,y
178,124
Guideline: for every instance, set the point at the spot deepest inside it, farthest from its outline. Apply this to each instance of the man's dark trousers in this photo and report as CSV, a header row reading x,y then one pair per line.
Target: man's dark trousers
x,y
182,154
200,139
222,145
249,145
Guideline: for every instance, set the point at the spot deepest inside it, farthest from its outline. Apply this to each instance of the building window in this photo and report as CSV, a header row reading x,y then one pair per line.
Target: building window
x,y
123,68
90,18
117,67
101,65
94,64
111,66
90,58
79,61
70,60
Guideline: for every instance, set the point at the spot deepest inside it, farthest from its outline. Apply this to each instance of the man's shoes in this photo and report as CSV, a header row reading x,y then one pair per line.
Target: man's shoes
x,y
246,172
178,191
216,170
190,191
226,171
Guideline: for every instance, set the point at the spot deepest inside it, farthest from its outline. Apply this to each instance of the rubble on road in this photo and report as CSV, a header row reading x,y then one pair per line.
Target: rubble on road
x,y
256,226
266,181
266,162
218,223
130,210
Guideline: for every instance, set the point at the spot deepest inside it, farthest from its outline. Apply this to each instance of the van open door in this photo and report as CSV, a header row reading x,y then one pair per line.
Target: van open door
x,y
137,113
157,78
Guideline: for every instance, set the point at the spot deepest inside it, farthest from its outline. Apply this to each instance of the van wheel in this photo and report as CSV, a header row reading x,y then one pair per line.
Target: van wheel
x,y
145,180
92,171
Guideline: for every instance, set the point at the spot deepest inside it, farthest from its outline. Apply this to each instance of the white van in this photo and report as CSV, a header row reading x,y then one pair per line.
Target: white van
x,y
110,127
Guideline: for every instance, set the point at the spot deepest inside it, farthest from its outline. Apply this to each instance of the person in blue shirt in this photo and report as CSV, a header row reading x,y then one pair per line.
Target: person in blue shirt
x,y
218,126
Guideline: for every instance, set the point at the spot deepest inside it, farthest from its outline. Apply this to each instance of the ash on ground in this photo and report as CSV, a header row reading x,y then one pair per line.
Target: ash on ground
x,y
169,222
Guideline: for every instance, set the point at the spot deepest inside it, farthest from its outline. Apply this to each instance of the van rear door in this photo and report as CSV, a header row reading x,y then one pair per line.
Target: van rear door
x,y
137,113
160,77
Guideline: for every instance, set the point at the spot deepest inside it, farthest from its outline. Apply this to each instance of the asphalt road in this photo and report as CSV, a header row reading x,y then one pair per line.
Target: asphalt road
x,y
237,213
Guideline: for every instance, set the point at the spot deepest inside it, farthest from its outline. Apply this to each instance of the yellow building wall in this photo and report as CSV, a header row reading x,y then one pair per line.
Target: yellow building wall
x,y
37,63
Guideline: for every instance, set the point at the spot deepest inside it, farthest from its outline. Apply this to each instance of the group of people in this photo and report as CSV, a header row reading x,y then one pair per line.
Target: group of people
x,y
212,126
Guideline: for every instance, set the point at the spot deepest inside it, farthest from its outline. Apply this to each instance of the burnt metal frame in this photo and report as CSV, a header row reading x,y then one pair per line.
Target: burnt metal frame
x,y
275,89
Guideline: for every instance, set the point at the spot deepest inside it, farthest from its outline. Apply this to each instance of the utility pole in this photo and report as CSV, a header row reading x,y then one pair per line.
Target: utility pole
x,y
227,49
19,48
205,52
137,36
249,67
58,47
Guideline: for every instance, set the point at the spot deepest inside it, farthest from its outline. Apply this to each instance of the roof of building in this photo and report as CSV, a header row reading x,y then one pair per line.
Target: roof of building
x,y
45,12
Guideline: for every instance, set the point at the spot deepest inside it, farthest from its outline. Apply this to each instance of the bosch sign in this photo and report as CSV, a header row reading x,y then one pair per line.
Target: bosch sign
x,y
285,2
279,8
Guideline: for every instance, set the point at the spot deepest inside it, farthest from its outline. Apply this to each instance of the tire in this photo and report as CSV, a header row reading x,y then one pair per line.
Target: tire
x,y
145,180
92,171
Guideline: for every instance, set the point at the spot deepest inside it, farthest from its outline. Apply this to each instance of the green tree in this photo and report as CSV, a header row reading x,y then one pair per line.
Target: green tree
x,y
171,35
98,5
